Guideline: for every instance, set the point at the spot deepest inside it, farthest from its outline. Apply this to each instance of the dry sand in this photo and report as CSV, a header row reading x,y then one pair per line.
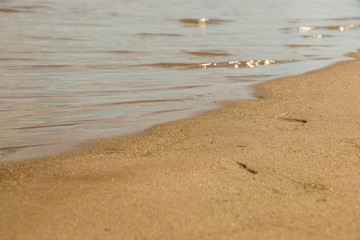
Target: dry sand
x,y
286,166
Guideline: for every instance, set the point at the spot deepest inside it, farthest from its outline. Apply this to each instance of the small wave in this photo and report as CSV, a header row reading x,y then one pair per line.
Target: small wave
x,y
208,54
8,10
16,59
22,9
146,101
163,112
317,36
340,28
249,78
121,52
344,19
47,126
306,46
298,45
202,21
159,35
51,66
231,64
344,28
7,150
67,68
53,38
32,7
238,64
188,87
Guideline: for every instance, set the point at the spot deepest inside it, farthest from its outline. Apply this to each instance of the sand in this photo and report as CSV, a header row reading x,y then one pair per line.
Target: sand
x,y
285,166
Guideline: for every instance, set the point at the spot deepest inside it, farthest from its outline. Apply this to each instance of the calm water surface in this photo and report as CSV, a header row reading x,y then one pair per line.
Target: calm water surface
x,y
79,70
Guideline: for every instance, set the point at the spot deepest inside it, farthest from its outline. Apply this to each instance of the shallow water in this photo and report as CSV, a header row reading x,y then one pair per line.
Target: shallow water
x,y
79,70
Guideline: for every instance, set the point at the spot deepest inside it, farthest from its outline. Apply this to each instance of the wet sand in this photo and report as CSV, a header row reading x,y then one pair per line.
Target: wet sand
x,y
286,166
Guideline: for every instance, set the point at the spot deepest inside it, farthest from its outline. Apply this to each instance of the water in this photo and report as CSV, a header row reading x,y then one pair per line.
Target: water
x,y
77,70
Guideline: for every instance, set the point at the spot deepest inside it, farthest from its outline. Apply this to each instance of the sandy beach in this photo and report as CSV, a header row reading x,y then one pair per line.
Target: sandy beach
x,y
285,166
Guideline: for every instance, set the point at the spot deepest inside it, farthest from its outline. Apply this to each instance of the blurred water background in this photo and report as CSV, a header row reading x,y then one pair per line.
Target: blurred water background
x,y
85,69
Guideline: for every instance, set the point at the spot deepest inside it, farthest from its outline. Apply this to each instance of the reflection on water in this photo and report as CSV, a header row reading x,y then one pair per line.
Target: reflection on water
x,y
337,28
231,64
202,21
78,70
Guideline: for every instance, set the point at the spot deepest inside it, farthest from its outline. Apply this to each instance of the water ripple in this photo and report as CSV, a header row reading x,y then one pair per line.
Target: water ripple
x,y
230,64
202,21
340,28
209,54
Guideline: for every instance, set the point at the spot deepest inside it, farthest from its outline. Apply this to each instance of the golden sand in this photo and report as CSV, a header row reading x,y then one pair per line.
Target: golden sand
x,y
285,166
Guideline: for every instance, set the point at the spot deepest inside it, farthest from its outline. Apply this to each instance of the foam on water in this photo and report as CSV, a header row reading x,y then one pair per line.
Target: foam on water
x,y
78,70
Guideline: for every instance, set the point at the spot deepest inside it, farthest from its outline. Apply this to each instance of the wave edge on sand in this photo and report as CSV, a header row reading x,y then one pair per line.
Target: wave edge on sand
x,y
284,166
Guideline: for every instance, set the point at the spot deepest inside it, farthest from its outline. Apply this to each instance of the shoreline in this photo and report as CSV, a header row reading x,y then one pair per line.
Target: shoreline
x,y
48,148
286,165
